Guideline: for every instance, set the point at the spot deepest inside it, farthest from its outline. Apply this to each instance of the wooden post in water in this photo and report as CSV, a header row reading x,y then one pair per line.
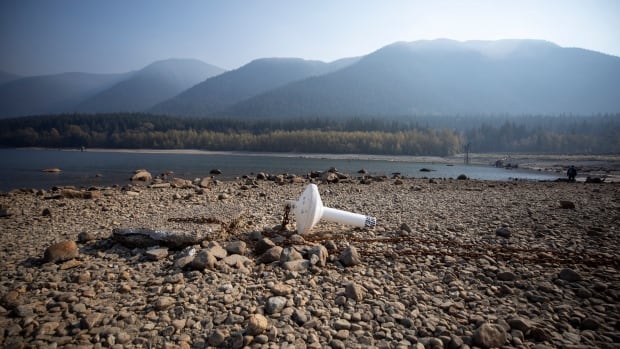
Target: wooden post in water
x,y
467,147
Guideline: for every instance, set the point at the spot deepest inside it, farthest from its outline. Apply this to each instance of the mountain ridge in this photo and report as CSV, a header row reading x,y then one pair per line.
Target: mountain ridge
x,y
451,77
151,85
430,77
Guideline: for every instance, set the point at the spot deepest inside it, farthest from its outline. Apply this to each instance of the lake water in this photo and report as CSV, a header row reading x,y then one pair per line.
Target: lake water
x,y
21,168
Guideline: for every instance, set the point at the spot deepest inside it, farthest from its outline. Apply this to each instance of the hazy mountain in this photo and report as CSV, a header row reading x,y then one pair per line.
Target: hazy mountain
x,y
450,77
155,83
256,77
51,93
6,77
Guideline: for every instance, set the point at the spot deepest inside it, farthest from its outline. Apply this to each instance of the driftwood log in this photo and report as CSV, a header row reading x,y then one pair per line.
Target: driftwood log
x,y
145,237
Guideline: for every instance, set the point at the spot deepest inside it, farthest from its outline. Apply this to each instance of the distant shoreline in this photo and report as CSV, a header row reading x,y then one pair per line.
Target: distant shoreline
x,y
588,164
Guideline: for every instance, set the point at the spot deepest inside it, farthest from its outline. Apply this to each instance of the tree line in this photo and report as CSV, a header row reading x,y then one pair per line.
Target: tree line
x,y
421,135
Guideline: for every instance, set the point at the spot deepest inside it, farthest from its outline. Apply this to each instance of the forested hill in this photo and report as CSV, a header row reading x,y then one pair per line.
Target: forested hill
x,y
428,135
446,77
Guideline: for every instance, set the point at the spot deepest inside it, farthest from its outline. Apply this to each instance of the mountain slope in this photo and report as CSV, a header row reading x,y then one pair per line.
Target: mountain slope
x,y
449,77
51,93
256,77
151,85
7,77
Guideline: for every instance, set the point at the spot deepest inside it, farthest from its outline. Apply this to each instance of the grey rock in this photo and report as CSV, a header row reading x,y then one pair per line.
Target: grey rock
x,y
290,254
202,260
84,237
271,255
455,342
521,324
164,303
489,336
590,324
181,263
237,261
5,212
337,344
354,291
156,254
218,337
263,245
299,317
503,232
92,320
216,250
567,205
569,275
236,247
342,324
506,276
296,265
275,304
350,257
321,254
145,237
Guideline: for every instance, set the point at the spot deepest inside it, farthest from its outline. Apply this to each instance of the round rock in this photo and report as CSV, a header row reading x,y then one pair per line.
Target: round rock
x,y
61,251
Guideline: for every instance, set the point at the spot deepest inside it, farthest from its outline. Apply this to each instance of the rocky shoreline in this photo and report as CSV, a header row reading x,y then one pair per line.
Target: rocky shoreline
x,y
451,264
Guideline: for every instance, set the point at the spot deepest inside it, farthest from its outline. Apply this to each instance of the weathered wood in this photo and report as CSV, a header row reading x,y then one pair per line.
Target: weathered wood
x,y
145,237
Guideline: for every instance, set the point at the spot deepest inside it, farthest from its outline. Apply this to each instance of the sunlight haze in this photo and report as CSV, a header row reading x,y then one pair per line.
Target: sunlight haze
x,y
44,37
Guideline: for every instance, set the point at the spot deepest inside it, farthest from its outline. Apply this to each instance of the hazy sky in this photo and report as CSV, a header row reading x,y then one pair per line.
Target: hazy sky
x,y
52,36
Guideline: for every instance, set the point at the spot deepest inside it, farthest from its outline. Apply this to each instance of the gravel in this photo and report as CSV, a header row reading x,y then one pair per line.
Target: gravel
x,y
451,264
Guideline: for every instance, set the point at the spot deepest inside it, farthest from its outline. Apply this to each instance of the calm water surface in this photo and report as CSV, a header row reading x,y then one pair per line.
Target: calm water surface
x,y
21,168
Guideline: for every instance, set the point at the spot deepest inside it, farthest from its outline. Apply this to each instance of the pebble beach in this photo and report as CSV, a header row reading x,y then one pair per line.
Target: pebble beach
x,y
451,264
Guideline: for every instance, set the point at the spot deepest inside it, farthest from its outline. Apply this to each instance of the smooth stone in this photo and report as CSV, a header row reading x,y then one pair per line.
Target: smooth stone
x,y
275,304
257,324
61,251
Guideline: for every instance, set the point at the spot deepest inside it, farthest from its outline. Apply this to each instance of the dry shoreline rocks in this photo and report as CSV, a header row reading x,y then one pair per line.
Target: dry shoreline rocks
x,y
451,264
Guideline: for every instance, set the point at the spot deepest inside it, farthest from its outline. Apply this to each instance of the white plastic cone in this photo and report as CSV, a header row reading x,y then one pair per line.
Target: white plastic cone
x,y
309,210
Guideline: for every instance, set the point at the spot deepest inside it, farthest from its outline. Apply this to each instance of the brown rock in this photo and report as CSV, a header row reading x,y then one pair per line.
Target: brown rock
x,y
350,256
156,254
565,204
236,247
61,251
164,303
257,324
271,255
202,261
142,175
354,291
281,289
263,245
490,336
181,183
84,237
80,194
